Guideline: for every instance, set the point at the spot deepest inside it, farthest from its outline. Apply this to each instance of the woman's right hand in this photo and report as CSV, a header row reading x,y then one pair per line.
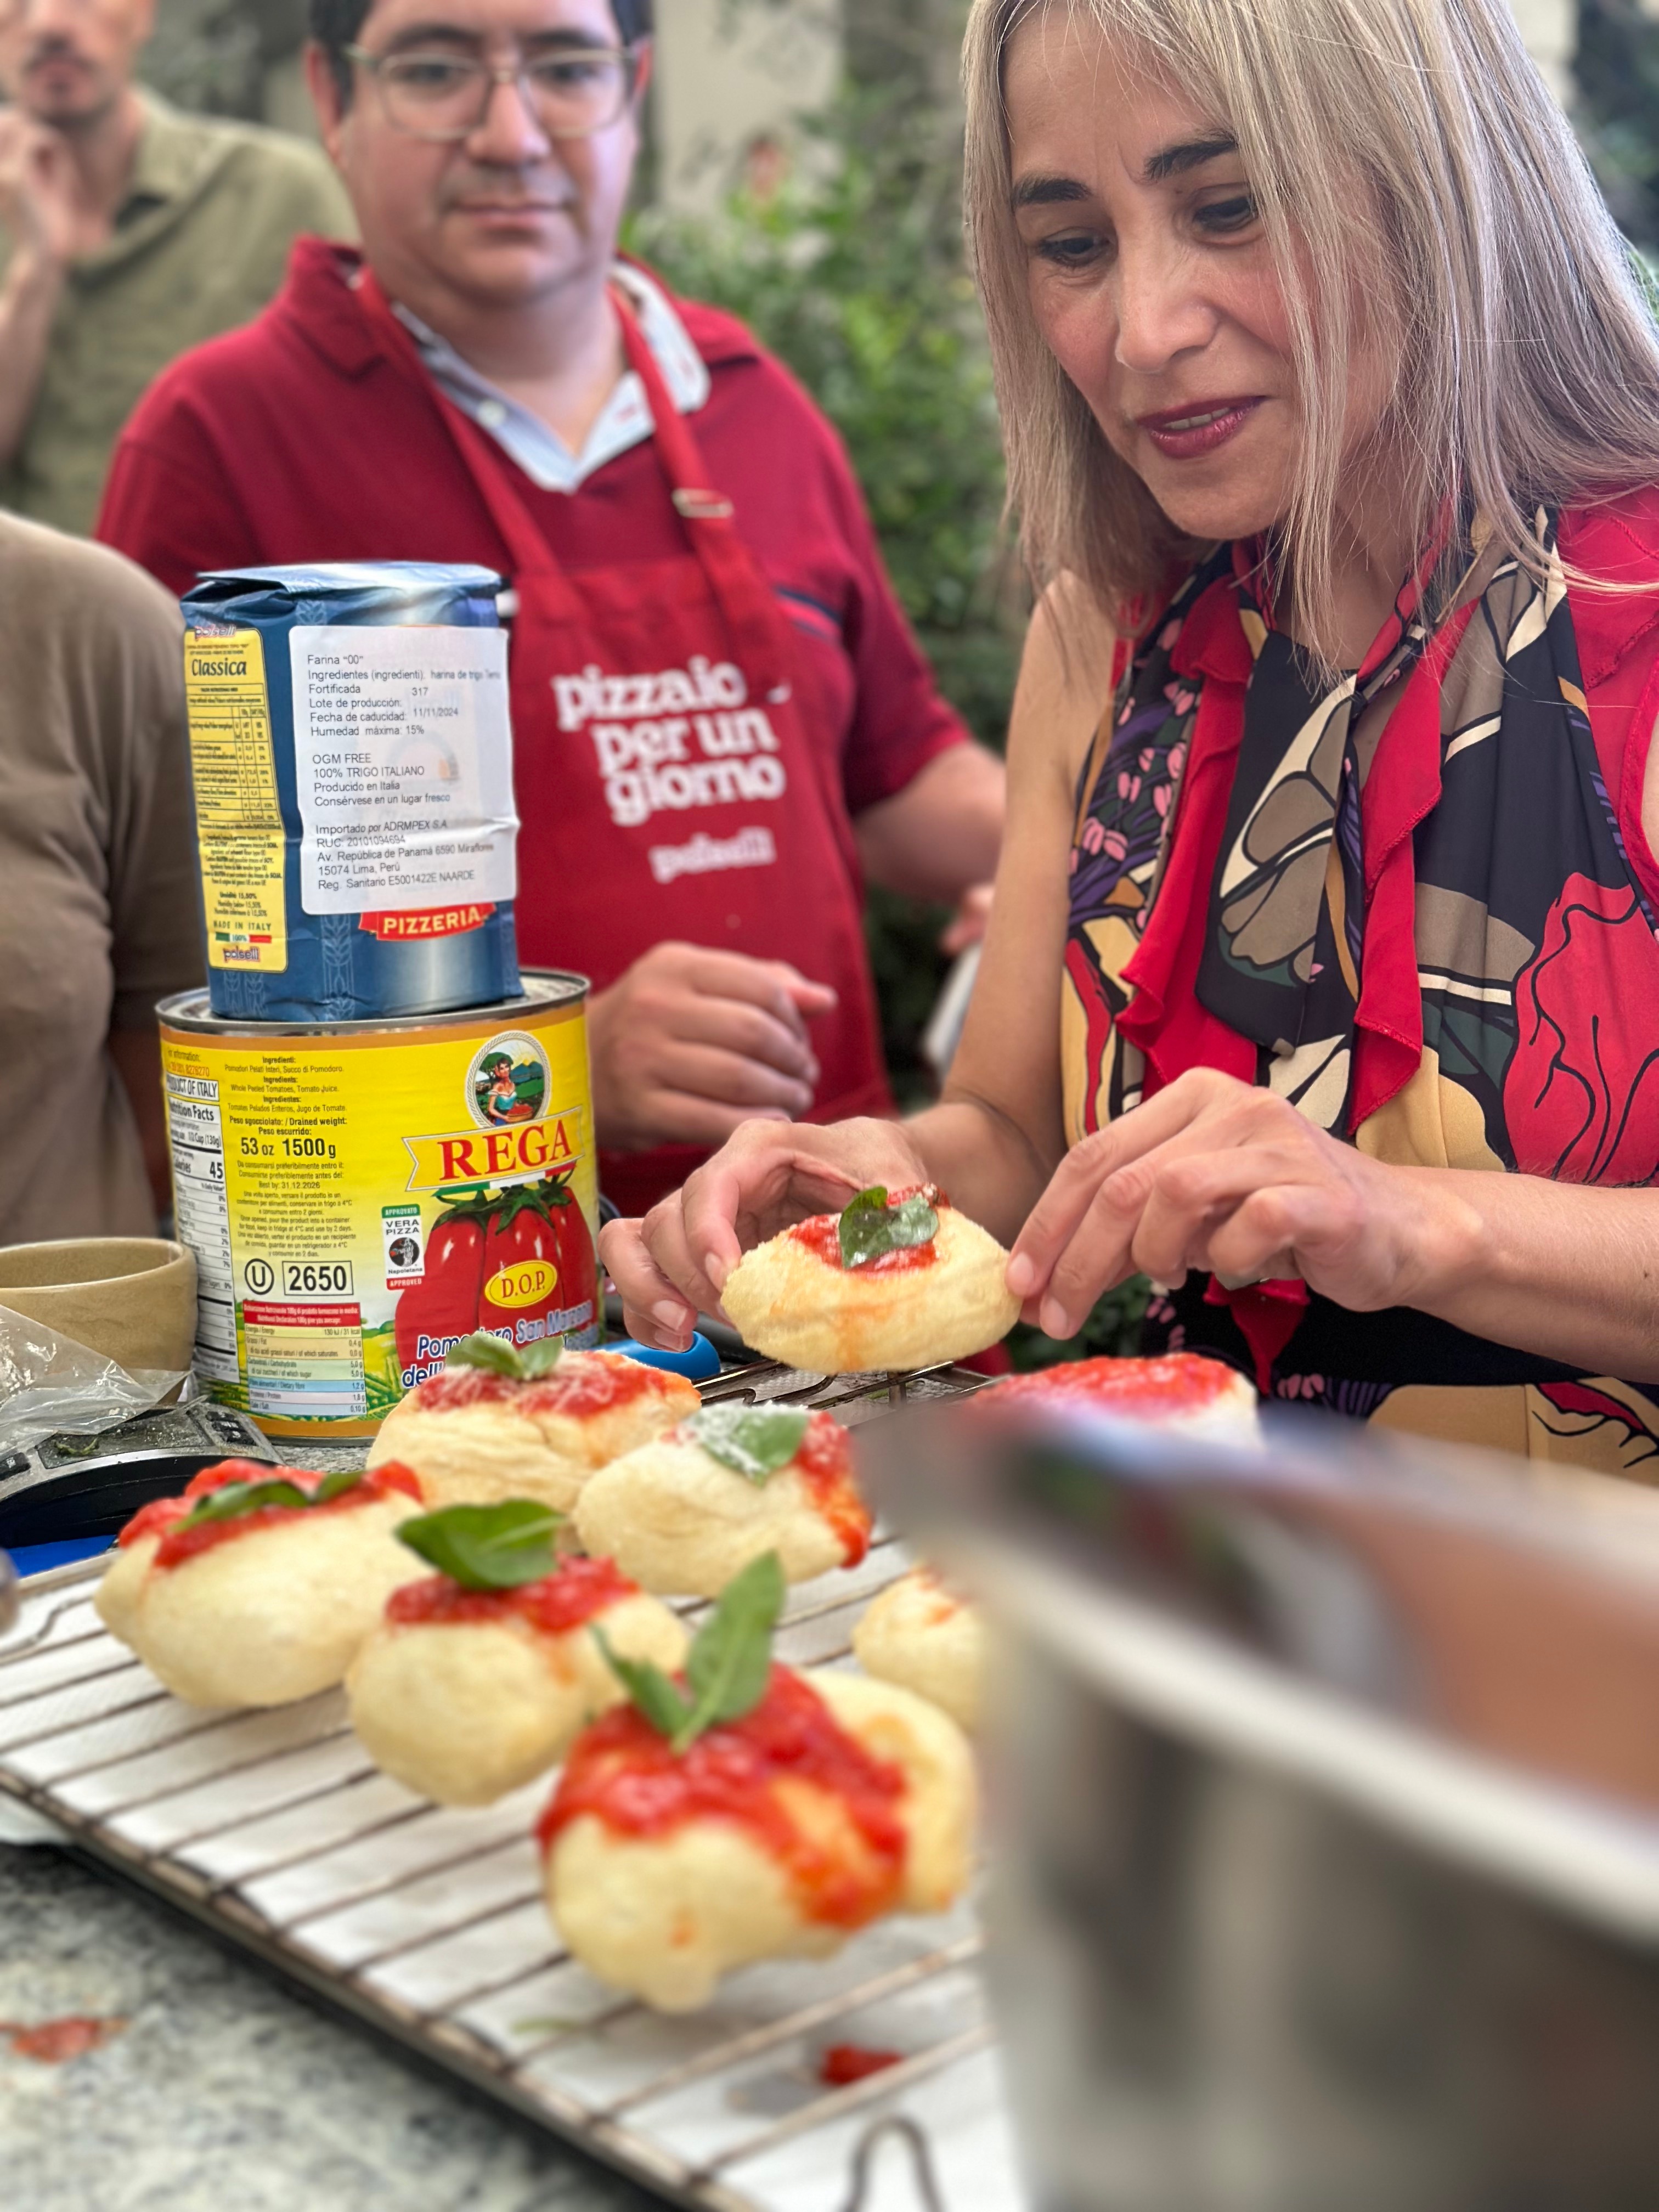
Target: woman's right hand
x,y
671,1265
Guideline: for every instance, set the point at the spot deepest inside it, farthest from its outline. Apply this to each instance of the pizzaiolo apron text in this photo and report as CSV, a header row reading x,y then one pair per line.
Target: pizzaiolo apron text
x,y
667,782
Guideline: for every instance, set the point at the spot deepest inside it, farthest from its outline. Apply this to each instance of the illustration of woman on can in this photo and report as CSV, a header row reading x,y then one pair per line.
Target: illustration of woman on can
x,y
500,1099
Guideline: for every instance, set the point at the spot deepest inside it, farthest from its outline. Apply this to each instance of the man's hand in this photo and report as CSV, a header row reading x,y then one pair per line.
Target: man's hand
x,y
671,1265
1217,1174
37,192
689,1044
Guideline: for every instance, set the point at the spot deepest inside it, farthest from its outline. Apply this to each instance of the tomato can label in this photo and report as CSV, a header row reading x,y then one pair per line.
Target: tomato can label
x,y
360,1195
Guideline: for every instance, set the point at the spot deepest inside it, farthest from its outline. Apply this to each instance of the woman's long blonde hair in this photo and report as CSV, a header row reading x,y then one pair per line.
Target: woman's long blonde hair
x,y
1413,139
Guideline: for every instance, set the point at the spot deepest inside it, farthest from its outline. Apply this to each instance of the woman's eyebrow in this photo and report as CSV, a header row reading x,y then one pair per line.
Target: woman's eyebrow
x,y
1046,191
1190,153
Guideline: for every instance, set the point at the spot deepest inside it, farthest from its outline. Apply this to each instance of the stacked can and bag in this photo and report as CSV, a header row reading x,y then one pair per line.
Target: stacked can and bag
x,y
382,1136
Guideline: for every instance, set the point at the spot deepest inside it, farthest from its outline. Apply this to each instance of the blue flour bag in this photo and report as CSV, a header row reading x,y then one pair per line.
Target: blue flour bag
x,y
352,759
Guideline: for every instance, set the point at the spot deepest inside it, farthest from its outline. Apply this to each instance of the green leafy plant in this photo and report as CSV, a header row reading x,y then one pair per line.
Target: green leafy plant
x,y
1617,113
487,1548
870,1227
496,1356
727,1668
854,274
754,1441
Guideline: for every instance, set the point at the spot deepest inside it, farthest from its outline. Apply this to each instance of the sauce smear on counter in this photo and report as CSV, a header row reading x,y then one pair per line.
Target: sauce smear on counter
x,y
53,2042
559,1603
825,1461
162,1516
583,1383
622,1772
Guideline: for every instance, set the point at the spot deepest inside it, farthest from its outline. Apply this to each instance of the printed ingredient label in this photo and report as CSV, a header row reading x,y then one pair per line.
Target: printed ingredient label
x,y
238,820
202,1219
403,756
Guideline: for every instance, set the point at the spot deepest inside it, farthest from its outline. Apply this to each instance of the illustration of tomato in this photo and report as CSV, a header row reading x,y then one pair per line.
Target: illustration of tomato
x,y
538,1261
432,1315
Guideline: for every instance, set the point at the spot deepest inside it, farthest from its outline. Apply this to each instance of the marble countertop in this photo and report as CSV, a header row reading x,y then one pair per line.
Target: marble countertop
x,y
224,2090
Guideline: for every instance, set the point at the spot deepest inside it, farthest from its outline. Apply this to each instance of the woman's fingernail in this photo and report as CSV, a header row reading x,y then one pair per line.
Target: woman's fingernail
x,y
669,1316
716,1270
1021,1277
1056,1321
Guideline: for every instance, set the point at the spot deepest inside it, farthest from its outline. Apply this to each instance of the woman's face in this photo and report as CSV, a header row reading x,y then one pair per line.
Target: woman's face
x,y
1150,277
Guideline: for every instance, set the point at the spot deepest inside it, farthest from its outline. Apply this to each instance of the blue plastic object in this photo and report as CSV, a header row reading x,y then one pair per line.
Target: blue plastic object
x,y
38,1558
700,1364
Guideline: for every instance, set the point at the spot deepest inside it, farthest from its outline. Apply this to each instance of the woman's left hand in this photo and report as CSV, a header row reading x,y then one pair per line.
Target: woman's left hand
x,y
1214,1174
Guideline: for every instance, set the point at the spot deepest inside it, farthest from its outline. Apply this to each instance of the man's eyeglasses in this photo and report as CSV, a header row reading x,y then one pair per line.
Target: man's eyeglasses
x,y
571,91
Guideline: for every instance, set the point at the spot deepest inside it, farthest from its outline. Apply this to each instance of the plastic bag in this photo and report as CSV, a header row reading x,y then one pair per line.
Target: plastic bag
x,y
50,1383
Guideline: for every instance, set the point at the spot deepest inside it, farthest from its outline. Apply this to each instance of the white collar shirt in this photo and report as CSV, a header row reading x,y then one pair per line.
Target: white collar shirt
x,y
624,421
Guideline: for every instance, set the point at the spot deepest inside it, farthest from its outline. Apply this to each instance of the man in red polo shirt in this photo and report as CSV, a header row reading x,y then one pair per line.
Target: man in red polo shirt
x,y
721,722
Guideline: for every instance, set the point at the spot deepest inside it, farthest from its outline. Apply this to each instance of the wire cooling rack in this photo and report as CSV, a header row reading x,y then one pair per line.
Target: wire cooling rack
x,y
276,1830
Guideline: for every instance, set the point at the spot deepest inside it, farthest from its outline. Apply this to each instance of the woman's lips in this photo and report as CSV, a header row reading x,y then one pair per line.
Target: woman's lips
x,y
1182,434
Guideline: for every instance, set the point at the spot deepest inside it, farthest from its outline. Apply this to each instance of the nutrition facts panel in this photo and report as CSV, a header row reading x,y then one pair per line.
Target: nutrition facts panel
x,y
304,1362
202,1219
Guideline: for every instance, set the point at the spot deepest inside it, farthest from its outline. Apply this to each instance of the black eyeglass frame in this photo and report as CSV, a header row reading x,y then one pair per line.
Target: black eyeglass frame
x,y
498,74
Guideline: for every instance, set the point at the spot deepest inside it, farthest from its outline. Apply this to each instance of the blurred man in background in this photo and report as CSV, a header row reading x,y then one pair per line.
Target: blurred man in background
x,y
131,232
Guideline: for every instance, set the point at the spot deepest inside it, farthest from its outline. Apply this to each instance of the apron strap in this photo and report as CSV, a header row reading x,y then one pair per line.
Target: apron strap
x,y
743,596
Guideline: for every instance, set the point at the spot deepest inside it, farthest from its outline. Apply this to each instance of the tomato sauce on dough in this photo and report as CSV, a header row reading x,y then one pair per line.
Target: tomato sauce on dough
x,y
825,1462
602,1380
1181,1382
163,1515
821,1235
580,1589
624,1773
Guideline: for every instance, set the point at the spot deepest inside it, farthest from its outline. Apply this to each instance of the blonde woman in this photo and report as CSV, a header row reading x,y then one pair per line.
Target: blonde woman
x,y
1322,984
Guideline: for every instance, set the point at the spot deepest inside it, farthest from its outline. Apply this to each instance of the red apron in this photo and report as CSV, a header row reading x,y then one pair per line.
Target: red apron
x,y
667,781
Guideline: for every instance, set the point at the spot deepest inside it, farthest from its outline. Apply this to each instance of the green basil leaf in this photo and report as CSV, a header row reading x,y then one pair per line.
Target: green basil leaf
x,y
486,1547
541,1357
236,1498
755,1441
870,1227
731,1654
648,1687
492,1353
336,1485
915,1222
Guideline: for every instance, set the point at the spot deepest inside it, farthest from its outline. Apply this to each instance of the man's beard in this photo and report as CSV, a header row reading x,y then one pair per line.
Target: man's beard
x,y
95,94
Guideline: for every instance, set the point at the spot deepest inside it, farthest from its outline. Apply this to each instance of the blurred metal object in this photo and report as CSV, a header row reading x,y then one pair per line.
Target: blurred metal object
x,y
921,2163
8,1600
1328,1786
945,1023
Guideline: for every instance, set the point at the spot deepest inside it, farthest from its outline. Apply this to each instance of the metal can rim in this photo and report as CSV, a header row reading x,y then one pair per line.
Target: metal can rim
x,y
560,987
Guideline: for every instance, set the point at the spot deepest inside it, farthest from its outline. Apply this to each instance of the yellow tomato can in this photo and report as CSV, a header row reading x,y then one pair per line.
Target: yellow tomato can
x,y
360,1195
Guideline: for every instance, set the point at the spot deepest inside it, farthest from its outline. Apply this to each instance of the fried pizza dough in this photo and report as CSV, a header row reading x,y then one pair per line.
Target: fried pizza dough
x,y
925,1638
915,1306
1183,1392
463,1695
836,1802
688,1511
265,1607
473,1436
